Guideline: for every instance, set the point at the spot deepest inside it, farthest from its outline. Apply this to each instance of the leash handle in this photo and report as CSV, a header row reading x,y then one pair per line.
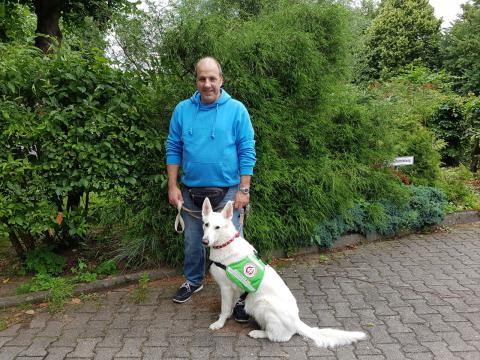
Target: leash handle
x,y
179,219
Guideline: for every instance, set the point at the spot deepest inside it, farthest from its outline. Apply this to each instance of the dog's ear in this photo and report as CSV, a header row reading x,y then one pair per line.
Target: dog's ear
x,y
227,211
206,207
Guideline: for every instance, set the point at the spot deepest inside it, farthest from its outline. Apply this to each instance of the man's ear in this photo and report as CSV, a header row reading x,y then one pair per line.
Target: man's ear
x,y
227,211
206,207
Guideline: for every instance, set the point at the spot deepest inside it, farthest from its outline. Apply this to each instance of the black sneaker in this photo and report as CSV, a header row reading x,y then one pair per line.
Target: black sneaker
x,y
185,292
239,313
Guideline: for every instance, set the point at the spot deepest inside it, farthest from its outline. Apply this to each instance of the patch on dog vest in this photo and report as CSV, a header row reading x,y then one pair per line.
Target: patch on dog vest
x,y
247,273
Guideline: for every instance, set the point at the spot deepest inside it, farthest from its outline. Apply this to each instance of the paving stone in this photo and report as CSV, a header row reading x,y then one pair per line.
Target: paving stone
x,y
53,328
84,348
456,343
39,320
38,347
58,353
272,349
4,340
131,348
345,352
24,337
9,352
421,356
247,353
77,320
11,331
68,338
380,335
177,348
105,353
466,330
395,325
156,353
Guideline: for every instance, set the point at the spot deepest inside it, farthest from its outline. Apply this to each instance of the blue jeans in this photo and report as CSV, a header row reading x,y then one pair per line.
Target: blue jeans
x,y
194,251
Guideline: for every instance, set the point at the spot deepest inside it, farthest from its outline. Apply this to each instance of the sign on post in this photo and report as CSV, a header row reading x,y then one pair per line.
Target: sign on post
x,y
403,160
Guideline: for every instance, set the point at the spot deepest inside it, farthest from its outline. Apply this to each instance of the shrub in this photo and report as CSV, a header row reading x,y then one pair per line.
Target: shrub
x,y
425,207
70,125
320,145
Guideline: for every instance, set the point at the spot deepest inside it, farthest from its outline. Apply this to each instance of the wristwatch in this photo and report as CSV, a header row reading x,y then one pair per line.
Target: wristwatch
x,y
245,190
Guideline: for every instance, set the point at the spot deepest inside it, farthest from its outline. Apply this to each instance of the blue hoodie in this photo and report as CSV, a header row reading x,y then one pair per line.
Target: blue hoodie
x,y
213,143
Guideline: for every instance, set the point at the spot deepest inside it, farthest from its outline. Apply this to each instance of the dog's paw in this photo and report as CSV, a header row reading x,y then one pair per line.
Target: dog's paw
x,y
257,334
217,325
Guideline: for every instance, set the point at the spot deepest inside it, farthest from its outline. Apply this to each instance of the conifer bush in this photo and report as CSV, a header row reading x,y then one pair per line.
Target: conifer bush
x,y
321,147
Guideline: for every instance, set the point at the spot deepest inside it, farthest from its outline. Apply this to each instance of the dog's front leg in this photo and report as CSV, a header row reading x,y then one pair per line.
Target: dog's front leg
x,y
227,307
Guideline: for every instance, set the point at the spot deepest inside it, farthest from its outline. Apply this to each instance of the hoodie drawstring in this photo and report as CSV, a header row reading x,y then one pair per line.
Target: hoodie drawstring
x,y
214,122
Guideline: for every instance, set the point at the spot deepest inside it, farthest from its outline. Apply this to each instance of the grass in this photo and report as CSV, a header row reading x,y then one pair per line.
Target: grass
x,y
140,293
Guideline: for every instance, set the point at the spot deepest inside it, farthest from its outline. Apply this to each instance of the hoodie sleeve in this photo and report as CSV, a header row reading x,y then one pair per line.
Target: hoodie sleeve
x,y
174,140
245,143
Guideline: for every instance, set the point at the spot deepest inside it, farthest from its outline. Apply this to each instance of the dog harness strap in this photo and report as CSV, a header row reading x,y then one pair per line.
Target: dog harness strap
x,y
220,265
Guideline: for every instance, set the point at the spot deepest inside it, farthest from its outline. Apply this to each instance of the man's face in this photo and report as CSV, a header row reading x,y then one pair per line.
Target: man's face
x,y
208,81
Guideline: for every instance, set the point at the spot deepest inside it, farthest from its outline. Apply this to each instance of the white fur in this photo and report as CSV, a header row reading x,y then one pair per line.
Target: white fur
x,y
273,306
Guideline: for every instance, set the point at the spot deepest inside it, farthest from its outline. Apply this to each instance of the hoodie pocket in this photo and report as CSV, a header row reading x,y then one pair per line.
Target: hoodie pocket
x,y
203,174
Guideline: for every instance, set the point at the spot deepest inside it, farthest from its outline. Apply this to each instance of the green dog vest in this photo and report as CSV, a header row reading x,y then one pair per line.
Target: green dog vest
x,y
247,273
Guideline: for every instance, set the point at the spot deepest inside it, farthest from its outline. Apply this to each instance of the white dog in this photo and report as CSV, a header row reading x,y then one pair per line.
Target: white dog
x,y
272,305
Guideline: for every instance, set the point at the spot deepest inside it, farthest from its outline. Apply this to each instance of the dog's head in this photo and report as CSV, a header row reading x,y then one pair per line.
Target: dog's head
x,y
217,226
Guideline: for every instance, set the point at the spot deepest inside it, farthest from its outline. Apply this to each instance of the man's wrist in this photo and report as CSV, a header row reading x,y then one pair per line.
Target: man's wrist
x,y
244,189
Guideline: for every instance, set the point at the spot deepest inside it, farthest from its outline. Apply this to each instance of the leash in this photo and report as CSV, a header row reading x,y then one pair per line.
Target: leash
x,y
179,220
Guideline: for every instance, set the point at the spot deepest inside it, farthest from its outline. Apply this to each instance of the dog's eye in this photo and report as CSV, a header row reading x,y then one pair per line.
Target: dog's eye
x,y
217,227
206,224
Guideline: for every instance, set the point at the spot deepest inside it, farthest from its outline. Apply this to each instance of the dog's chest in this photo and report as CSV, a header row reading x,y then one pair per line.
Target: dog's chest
x,y
219,275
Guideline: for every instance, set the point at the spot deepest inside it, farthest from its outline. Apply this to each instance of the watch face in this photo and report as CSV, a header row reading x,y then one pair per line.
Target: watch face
x,y
245,190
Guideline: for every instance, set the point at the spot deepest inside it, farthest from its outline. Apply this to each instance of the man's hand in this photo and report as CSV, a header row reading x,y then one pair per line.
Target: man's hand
x,y
241,200
174,195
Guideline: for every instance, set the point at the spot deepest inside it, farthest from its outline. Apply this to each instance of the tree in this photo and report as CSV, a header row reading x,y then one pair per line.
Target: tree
x,y
461,51
49,13
404,32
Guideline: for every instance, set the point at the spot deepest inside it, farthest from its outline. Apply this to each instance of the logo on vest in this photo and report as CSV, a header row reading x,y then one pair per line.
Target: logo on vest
x,y
250,270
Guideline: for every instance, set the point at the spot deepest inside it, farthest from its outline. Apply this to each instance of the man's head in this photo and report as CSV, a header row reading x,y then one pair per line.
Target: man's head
x,y
209,79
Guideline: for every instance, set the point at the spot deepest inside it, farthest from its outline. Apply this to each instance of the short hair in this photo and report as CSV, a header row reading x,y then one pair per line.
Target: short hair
x,y
209,58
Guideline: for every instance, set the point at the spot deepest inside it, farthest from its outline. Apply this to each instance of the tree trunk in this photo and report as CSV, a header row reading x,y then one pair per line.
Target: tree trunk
x,y
48,16
16,243
475,159
73,200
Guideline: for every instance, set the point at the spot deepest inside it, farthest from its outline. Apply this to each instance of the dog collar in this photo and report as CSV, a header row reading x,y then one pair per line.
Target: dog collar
x,y
228,242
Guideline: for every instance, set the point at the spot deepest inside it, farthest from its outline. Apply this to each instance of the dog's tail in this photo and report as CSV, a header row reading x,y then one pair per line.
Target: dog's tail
x,y
329,337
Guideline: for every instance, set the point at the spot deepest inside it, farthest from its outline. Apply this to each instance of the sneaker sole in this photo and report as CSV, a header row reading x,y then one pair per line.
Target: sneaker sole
x,y
241,320
183,301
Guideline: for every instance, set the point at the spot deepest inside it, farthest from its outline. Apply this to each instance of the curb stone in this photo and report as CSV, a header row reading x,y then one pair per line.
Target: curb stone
x,y
464,217
94,286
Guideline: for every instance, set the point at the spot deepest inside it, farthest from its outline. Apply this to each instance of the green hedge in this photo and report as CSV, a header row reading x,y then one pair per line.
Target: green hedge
x,y
321,146
70,125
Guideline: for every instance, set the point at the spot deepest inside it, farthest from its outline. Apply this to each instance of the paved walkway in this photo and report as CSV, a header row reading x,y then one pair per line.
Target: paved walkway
x,y
417,298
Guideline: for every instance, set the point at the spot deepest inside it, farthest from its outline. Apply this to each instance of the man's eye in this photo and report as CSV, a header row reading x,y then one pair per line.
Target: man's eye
x,y
217,227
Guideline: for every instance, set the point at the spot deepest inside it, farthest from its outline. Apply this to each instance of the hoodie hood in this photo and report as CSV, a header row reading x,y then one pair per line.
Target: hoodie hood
x,y
196,100
224,97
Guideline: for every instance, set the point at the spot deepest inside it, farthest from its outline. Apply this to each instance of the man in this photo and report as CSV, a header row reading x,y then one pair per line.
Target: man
x,y
211,138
